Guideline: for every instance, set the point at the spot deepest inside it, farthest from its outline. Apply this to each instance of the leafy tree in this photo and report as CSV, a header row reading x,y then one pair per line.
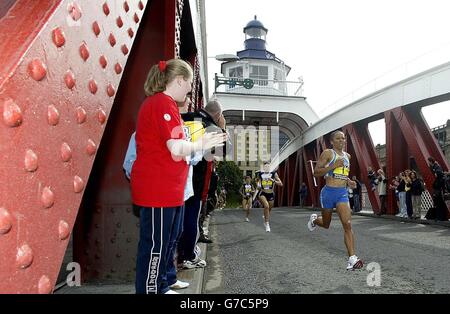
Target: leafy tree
x,y
230,177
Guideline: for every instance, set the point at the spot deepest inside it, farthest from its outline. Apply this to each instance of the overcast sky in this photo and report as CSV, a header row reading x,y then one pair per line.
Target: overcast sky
x,y
338,46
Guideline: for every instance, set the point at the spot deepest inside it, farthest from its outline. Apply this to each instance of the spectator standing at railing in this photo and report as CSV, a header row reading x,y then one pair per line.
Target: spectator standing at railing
x,y
382,182
372,178
394,188
159,174
357,206
438,190
402,196
417,187
303,193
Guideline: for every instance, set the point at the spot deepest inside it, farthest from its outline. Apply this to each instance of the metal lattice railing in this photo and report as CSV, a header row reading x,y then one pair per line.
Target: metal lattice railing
x,y
248,86
427,201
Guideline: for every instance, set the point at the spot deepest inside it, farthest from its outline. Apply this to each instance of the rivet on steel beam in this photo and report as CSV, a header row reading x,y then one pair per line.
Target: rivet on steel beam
x,y
31,161
5,221
37,69
113,240
118,68
118,255
113,210
98,210
113,270
58,37
63,230
106,9
12,115
66,152
126,7
141,5
78,184
52,115
74,11
128,210
118,225
137,224
110,90
124,49
97,256
81,115
130,32
103,61
24,256
128,240
112,40
101,115
136,18
97,226
44,285
91,147
96,28
93,86
84,51
69,79
47,197
119,22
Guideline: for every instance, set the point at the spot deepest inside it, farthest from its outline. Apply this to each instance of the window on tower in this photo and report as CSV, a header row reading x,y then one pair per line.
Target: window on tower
x,y
259,74
236,72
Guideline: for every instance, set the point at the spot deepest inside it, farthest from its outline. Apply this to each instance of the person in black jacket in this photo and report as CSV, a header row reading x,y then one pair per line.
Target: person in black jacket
x,y
212,120
439,211
417,187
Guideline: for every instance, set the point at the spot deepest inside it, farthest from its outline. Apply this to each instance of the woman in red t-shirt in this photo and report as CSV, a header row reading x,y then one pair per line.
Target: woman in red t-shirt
x,y
160,171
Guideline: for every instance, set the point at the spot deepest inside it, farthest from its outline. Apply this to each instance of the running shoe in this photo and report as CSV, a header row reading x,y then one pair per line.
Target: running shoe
x,y
179,285
354,263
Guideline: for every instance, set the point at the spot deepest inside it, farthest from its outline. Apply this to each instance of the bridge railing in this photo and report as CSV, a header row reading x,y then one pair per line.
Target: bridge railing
x,y
248,86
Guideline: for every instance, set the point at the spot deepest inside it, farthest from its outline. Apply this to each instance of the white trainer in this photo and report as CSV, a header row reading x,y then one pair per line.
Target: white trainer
x,y
246,219
267,227
354,263
171,292
195,263
311,225
179,285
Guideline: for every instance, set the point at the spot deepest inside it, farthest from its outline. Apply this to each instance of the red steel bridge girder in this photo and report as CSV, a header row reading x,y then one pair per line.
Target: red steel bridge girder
x,y
292,179
57,87
359,140
309,156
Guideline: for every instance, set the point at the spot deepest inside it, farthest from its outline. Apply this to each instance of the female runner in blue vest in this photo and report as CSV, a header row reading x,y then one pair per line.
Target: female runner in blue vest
x,y
334,164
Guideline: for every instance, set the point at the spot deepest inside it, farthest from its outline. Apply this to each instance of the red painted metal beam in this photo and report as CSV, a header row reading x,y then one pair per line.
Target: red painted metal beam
x,y
397,156
279,191
293,197
288,186
308,156
365,155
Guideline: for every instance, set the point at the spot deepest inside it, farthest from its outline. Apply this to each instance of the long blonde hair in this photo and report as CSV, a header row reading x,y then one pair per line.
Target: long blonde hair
x,y
157,78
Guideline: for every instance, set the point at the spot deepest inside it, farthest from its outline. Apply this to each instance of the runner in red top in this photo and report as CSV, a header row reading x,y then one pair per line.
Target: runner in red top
x,y
159,174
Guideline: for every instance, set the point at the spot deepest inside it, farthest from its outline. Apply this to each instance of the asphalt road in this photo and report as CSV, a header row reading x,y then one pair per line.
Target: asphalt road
x,y
411,258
